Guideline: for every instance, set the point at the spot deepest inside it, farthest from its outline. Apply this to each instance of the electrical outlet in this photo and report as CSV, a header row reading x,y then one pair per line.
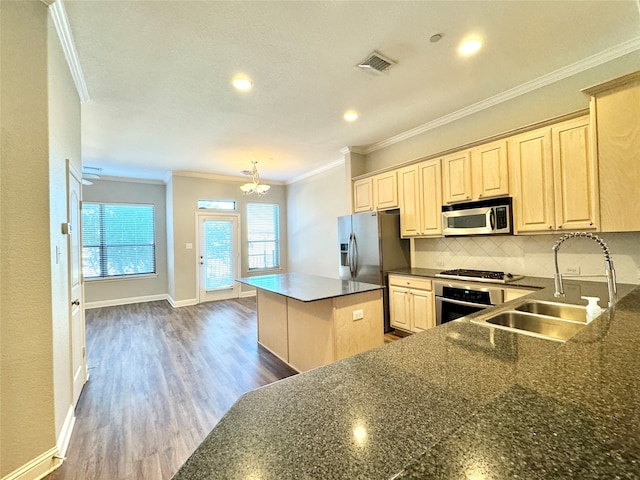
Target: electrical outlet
x,y
440,262
572,270
358,315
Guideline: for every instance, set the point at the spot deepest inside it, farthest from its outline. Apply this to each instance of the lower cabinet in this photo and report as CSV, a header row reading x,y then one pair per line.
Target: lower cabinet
x,y
411,305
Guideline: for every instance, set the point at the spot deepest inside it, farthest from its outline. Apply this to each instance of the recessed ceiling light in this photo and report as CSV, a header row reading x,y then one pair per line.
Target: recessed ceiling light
x,y
351,115
242,83
470,46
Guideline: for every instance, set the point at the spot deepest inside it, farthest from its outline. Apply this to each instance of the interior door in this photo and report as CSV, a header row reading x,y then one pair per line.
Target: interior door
x,y
76,285
218,257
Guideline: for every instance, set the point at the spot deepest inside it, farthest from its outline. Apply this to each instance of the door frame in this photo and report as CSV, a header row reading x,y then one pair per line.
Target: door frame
x,y
238,267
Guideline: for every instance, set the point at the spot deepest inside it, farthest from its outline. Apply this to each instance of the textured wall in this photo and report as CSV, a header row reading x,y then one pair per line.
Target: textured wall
x,y
532,254
27,425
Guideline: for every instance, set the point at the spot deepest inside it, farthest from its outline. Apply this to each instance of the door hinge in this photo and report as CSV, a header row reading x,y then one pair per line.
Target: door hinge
x,y
84,352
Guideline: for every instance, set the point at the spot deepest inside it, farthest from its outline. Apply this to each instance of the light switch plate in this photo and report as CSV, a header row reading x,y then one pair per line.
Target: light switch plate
x,y
358,315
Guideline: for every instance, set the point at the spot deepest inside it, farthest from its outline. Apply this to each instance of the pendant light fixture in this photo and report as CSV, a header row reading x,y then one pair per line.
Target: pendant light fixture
x,y
254,186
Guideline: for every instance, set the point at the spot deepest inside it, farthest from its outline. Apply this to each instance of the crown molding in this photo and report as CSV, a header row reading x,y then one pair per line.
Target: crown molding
x,y
555,76
215,176
61,22
324,168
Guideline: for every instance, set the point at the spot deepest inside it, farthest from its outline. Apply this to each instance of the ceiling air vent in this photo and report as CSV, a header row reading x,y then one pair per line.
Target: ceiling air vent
x,y
376,64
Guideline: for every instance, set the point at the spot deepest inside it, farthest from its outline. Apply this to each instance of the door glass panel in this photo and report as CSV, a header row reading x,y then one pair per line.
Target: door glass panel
x,y
218,254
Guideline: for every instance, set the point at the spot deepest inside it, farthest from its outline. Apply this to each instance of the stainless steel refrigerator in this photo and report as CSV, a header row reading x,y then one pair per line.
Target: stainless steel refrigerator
x,y
370,246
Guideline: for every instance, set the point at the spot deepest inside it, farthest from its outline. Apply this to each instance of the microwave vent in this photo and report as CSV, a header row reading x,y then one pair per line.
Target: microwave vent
x,y
375,64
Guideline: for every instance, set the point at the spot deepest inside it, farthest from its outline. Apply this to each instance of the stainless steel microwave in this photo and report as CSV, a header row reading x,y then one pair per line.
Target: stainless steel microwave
x,y
485,217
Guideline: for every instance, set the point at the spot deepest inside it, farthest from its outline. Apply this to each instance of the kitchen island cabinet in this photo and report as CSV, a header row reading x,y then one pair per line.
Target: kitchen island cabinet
x,y
473,401
309,321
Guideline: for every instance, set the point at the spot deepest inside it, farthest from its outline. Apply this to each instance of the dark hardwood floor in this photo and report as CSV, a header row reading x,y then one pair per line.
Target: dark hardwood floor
x,y
160,379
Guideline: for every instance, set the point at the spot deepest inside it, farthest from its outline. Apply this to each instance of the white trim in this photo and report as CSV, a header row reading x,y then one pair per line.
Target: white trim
x,y
38,468
61,22
324,168
114,178
182,303
126,301
215,176
247,293
65,433
555,76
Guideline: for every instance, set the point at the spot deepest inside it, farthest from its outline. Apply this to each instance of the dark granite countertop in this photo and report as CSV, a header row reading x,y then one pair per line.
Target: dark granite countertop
x,y
457,401
307,288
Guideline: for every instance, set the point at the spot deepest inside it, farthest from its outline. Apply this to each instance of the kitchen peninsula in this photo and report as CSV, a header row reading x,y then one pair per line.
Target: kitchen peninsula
x,y
309,321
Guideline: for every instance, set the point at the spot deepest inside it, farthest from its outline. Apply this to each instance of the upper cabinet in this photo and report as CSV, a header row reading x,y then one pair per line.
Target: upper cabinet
x,y
420,199
475,174
615,113
490,170
456,177
554,181
379,192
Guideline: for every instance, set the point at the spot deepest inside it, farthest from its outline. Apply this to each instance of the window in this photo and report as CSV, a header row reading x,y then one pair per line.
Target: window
x,y
217,204
263,235
118,240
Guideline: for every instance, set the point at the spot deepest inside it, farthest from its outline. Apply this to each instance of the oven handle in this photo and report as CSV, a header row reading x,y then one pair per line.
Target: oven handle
x,y
460,302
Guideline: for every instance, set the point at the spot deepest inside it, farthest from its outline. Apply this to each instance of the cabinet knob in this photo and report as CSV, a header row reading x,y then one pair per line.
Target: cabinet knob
x,y
591,224
559,226
549,227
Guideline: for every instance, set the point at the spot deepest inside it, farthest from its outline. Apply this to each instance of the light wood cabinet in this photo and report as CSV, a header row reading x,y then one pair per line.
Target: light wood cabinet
x,y
363,195
553,178
456,177
379,192
411,306
490,170
615,113
420,199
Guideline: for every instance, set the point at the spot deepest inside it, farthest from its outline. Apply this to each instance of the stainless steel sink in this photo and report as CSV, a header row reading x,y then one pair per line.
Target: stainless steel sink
x,y
564,311
541,325
549,320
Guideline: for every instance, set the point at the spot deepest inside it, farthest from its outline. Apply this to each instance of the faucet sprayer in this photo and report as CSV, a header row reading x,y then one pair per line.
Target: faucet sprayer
x,y
610,272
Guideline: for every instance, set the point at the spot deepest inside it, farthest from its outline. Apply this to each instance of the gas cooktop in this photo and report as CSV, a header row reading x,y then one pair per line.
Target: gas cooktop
x,y
479,275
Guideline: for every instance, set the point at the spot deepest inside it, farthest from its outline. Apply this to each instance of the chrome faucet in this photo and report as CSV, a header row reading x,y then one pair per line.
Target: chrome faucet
x,y
609,271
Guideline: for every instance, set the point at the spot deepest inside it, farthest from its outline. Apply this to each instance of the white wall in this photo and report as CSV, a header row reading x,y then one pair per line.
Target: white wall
x,y
532,255
314,205
130,290
27,420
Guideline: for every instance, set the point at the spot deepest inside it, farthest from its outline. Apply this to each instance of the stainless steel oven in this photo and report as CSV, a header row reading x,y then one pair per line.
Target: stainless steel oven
x,y
458,299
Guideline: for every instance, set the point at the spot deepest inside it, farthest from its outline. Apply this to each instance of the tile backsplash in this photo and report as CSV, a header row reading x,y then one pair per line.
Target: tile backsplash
x,y
531,254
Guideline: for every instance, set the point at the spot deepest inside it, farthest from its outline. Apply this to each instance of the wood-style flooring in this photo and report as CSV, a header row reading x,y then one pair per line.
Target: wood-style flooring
x,y
160,379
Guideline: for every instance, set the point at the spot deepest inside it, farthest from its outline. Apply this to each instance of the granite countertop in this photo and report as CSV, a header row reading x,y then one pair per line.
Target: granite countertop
x,y
307,288
457,401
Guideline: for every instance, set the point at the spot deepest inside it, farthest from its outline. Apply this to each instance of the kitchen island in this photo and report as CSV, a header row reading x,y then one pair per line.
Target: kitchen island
x,y
308,321
457,401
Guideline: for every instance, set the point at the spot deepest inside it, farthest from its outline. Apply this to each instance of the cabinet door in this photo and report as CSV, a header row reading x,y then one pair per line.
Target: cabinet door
x,y
614,106
457,177
532,175
385,190
362,195
575,185
399,307
430,199
489,170
408,182
422,310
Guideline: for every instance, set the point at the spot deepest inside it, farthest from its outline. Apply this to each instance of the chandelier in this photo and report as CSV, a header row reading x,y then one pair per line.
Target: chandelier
x,y
255,186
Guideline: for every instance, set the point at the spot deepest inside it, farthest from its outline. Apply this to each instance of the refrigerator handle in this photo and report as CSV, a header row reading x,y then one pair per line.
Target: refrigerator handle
x,y
353,256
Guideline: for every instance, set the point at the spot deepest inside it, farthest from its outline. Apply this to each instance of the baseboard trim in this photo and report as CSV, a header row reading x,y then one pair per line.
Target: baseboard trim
x,y
65,433
38,468
248,293
182,303
126,301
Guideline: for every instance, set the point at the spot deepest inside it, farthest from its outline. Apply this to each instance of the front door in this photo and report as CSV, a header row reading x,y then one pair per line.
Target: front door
x,y
76,298
218,257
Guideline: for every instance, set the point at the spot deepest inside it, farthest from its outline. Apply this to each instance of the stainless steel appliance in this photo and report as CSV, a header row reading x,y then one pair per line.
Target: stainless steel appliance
x,y
479,275
370,246
486,217
454,299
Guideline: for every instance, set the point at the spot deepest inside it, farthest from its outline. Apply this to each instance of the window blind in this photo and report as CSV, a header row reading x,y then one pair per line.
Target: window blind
x,y
118,240
263,235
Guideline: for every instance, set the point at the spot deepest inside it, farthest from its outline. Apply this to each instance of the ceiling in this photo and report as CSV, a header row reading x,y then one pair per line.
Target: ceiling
x,y
159,73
